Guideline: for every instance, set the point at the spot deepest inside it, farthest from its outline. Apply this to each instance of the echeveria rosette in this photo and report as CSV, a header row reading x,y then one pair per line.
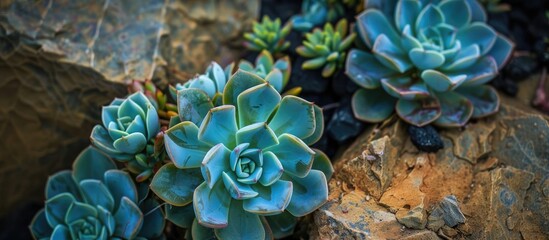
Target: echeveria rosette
x,y
429,60
96,201
326,48
268,35
247,159
129,132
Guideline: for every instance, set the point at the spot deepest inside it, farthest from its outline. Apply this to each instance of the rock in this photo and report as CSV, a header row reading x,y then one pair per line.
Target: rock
x,y
343,125
496,168
311,81
62,60
521,67
448,211
425,138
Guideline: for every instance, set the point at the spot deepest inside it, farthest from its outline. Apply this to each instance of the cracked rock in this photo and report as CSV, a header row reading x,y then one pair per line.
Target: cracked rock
x,y
447,213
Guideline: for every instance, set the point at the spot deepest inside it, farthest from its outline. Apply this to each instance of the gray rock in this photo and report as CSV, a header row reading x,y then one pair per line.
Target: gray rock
x,y
448,211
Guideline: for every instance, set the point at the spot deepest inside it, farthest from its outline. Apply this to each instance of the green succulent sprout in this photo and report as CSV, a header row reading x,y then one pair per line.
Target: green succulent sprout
x,y
245,167
96,201
326,48
131,134
428,60
268,35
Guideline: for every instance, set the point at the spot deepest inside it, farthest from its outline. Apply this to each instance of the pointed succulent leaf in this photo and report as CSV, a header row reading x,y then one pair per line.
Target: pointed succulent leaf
x,y
309,193
193,105
272,169
405,88
485,99
306,52
426,59
390,55
128,219
176,186
236,189
130,109
322,163
271,200
282,224
418,112
294,116
57,208
372,23
372,105
456,110
314,63
283,64
101,139
329,69
61,232
181,216
478,33
131,144
152,122
429,16
276,79
106,217
501,51
453,17
91,164
464,58
319,126
120,184
248,226
211,205
62,182
39,226
364,69
406,12
258,135
109,114
78,210
477,11
97,194
238,83
257,104
265,59
215,163
294,154
219,126
183,147
217,73
408,41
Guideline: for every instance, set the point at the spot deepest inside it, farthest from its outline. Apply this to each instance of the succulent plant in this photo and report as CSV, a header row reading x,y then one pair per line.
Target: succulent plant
x,y
318,12
326,48
276,73
430,63
131,134
96,201
165,109
268,35
212,82
247,159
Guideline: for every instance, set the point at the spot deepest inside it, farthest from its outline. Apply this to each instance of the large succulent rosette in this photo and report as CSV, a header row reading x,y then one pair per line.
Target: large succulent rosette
x,y
129,133
96,201
245,165
428,59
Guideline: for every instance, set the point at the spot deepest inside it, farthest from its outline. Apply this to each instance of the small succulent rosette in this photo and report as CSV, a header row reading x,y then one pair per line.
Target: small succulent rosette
x,y
268,35
96,201
317,12
276,73
131,134
245,166
429,60
212,82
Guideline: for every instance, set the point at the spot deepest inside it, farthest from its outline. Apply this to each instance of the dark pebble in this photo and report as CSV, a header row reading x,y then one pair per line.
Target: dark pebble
x,y
343,125
342,85
425,138
521,67
311,81
505,85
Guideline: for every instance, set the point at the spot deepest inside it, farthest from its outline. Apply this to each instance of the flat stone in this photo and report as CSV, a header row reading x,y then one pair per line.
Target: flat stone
x,y
415,218
448,211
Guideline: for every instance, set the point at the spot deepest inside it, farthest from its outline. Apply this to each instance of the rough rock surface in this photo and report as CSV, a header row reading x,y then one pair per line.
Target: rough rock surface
x,y
61,60
489,182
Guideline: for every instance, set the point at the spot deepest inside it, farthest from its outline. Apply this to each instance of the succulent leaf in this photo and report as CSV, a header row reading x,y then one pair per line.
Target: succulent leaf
x,y
294,116
372,105
211,205
268,35
185,181
309,193
256,104
181,216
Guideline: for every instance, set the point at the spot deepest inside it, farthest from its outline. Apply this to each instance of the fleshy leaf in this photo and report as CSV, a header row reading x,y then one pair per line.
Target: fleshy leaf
x,y
152,122
91,164
101,139
258,135
406,12
275,79
153,221
282,224
456,110
464,58
457,12
372,105
501,51
211,206
294,116
193,105
200,232
120,185
181,216
365,70
183,147
294,154
478,33
97,194
39,226
109,114
62,182
203,83
485,99
57,208
481,72
477,11
319,126
418,112
236,189
323,163
372,23
131,144
426,59
405,88
440,82
215,162
106,217
390,54
309,193
128,219
272,169
216,72
248,225
176,186
429,16
271,200
219,126
60,232
79,210
238,83
256,104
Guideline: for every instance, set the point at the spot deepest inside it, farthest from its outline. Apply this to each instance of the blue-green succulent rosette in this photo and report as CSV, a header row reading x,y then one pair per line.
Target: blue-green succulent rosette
x,y
96,201
245,167
428,60
129,134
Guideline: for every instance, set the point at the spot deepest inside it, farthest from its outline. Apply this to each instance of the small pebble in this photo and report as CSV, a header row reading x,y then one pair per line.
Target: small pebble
x,y
425,138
